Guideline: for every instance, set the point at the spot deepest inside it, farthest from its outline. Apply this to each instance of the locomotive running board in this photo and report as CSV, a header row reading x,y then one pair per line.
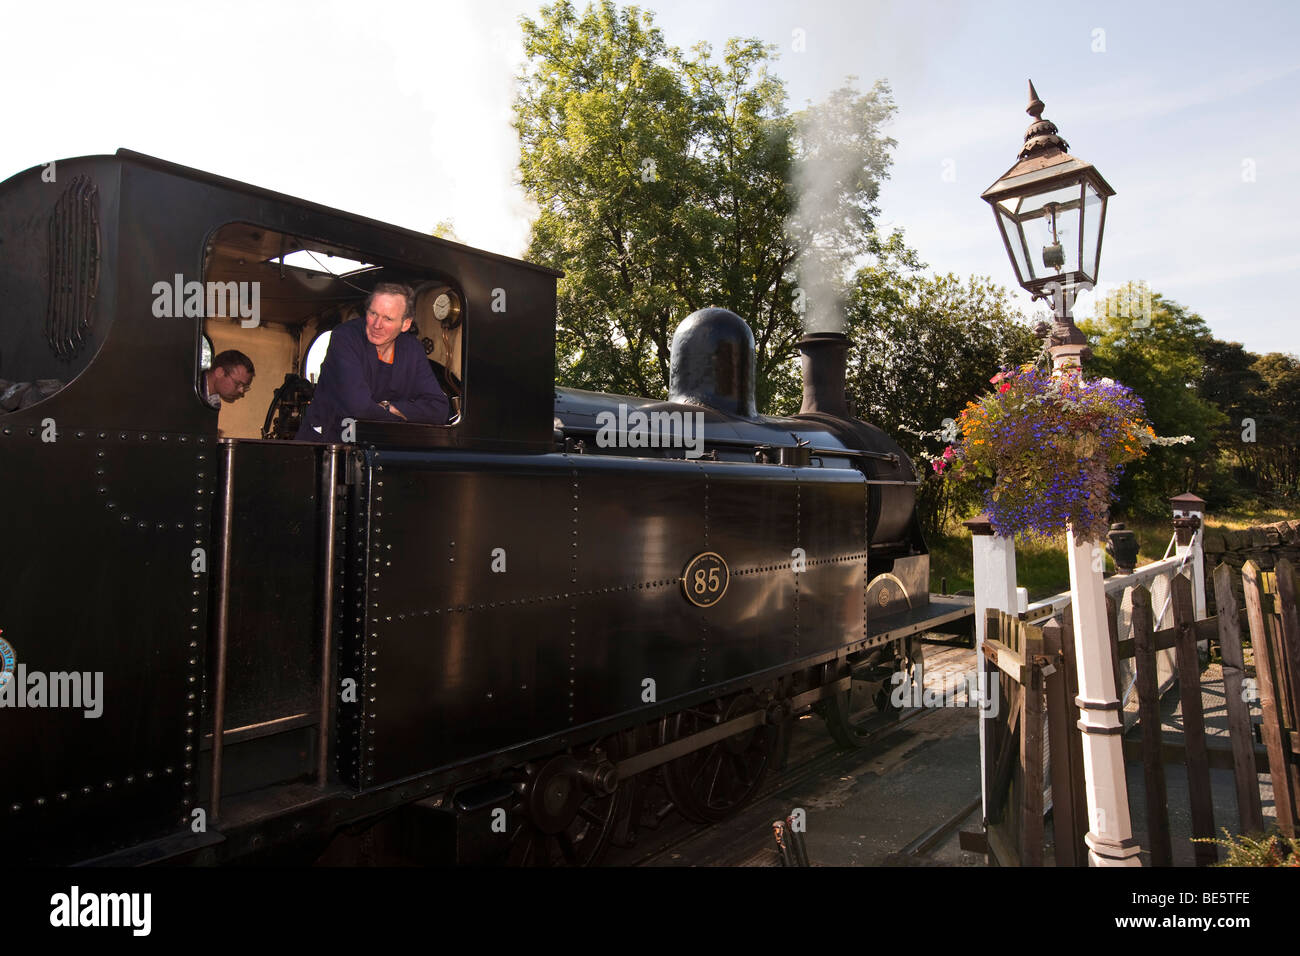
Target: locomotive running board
x,y
941,609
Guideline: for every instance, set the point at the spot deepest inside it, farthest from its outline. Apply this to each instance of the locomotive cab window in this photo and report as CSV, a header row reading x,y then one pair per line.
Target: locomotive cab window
x,y
289,295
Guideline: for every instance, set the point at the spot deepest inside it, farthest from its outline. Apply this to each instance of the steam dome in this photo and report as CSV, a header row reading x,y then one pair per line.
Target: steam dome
x,y
713,363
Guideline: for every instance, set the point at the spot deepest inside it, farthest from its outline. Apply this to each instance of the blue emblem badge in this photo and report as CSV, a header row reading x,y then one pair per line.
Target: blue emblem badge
x,y
7,661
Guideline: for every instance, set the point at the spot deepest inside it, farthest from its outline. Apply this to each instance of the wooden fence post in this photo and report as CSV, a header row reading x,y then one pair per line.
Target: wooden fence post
x,y
1069,817
1031,747
1245,775
1112,631
1078,777
1275,739
1289,618
1190,538
1189,689
1153,769
1288,701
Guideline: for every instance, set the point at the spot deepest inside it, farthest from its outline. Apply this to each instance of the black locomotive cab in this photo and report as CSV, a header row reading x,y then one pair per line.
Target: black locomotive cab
x,y
296,636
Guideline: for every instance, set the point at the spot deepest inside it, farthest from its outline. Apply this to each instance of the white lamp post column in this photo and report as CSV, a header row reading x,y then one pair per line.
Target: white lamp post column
x,y
1110,831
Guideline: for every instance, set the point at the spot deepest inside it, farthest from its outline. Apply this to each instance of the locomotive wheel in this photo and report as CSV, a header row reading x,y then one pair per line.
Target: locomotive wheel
x,y
712,783
561,821
851,717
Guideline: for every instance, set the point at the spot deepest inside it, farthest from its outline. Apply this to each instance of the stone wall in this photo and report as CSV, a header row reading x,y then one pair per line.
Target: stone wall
x,y
1263,544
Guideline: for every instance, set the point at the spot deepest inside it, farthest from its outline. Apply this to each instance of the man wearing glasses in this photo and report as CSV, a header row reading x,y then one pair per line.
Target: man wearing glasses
x,y
229,379
372,372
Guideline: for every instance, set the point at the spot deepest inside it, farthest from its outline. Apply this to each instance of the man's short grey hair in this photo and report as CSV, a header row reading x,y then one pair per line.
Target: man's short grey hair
x,y
395,288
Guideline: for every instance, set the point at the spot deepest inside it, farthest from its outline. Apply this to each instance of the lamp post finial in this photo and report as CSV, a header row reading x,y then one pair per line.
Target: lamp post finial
x,y
1035,108
1042,135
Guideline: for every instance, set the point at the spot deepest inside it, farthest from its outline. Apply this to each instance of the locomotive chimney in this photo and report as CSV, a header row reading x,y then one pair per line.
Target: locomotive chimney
x,y
824,357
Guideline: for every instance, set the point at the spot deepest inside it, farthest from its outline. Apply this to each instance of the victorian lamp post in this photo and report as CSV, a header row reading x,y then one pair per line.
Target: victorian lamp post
x,y
1050,208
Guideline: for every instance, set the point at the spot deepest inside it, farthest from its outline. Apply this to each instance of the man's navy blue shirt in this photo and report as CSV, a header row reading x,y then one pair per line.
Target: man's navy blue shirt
x,y
353,381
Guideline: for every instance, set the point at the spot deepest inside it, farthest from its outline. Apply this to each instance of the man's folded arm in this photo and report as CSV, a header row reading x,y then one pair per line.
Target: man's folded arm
x,y
428,405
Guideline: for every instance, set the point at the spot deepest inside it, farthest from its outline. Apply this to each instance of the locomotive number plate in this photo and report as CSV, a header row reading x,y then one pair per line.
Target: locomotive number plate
x,y
705,579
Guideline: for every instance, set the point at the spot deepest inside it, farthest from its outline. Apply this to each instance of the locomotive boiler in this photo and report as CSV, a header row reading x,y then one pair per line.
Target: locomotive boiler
x,y
476,639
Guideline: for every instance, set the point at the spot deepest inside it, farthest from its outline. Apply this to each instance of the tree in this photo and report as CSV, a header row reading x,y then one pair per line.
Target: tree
x,y
1162,360
446,229
924,348
1273,456
665,183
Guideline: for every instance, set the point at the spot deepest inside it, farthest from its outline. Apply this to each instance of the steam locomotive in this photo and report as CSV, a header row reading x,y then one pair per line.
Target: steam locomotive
x,y
476,640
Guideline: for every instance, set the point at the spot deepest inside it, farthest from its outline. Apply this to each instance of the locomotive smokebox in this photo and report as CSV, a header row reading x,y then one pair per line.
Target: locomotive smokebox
x,y
825,355
713,363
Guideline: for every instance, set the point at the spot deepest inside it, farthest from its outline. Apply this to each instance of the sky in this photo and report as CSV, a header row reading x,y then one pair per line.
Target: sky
x,y
402,112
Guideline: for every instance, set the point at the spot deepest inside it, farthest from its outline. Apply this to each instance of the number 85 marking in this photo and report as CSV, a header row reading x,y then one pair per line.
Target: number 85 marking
x,y
705,579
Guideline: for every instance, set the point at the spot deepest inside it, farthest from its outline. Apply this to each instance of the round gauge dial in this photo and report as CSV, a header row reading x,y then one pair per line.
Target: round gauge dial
x,y
442,306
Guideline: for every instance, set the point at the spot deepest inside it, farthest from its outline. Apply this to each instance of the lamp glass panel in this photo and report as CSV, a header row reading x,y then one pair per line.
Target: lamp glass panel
x,y
1094,209
1050,218
1016,240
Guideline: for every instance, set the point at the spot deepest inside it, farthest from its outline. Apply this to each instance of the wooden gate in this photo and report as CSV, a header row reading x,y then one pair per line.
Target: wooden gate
x,y
1034,670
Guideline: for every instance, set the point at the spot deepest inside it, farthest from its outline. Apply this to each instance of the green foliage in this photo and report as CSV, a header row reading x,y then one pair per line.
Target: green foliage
x,y
1162,362
665,184
1243,410
446,229
1272,461
924,348
1270,849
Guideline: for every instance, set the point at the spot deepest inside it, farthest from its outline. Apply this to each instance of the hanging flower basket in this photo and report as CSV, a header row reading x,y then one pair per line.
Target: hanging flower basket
x,y
1049,451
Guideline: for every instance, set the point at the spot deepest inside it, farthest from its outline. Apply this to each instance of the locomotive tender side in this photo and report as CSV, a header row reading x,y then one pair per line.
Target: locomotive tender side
x,y
459,617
